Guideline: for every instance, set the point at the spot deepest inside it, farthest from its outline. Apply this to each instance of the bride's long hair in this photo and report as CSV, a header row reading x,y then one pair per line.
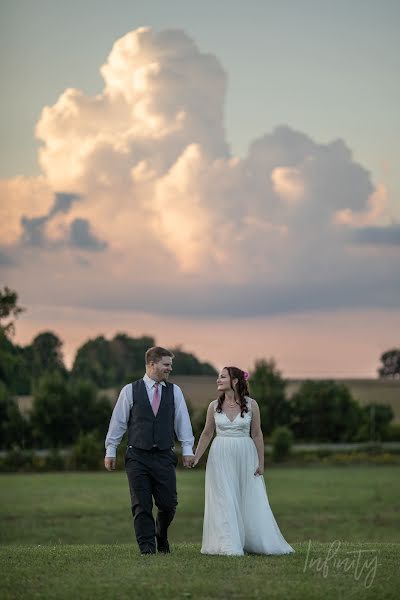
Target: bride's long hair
x,y
242,389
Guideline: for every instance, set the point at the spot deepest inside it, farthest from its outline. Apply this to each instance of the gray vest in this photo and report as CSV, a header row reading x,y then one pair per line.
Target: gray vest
x,y
146,430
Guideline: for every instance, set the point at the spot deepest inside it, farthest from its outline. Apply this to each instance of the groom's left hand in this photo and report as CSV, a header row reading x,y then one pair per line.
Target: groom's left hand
x,y
188,461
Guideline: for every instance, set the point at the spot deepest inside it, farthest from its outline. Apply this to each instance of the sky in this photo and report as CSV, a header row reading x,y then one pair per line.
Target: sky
x,y
223,176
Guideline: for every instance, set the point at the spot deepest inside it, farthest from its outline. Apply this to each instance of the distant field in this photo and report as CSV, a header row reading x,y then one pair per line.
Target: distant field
x,y
200,390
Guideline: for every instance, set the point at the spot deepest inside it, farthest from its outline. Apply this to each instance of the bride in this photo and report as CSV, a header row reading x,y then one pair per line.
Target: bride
x,y
237,515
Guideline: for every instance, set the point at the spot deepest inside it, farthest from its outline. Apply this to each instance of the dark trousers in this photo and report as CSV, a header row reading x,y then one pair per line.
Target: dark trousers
x,y
151,474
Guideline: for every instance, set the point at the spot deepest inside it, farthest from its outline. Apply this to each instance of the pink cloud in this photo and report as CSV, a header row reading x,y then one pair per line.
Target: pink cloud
x,y
163,205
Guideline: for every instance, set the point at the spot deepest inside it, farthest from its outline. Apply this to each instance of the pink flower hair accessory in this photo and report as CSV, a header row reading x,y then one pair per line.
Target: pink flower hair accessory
x,y
246,375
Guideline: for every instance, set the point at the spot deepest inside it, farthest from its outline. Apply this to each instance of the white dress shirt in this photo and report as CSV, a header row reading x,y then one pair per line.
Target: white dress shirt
x,y
120,417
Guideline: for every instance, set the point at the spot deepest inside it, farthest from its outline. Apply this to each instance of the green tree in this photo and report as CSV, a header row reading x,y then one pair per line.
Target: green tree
x,y
376,419
269,389
46,355
390,368
14,428
62,411
186,363
88,453
128,356
113,363
282,441
53,418
13,367
94,361
8,308
15,371
198,416
324,411
92,413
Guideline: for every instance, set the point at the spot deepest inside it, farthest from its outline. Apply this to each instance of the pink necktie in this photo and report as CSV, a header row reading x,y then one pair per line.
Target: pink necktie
x,y
156,399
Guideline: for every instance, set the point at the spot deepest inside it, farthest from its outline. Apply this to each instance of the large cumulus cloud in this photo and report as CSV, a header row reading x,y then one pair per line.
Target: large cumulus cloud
x,y
139,192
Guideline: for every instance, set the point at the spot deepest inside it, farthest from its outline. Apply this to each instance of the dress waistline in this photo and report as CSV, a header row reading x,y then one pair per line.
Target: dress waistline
x,y
233,435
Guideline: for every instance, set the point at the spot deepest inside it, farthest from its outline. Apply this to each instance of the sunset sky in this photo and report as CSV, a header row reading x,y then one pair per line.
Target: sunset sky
x,y
223,176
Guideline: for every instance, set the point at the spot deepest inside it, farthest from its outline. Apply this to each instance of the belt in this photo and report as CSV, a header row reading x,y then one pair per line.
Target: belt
x,y
153,449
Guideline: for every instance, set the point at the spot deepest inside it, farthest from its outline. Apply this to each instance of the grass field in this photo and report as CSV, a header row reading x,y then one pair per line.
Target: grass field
x,y
70,536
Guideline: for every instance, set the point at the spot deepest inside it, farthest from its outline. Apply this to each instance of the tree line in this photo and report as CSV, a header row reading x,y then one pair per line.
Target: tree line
x,y
106,363
319,411
69,404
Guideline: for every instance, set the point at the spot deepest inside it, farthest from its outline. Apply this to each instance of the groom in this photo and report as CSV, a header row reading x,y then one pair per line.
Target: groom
x,y
151,409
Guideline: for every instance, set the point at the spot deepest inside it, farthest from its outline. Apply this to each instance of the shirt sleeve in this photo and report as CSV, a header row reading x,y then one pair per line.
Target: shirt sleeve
x,y
183,426
119,421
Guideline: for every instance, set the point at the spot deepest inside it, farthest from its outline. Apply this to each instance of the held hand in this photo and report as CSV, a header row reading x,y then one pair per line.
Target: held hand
x,y
195,462
109,463
187,461
259,471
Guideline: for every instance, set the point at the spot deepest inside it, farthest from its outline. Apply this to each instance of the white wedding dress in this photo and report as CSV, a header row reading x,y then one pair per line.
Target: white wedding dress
x,y
237,515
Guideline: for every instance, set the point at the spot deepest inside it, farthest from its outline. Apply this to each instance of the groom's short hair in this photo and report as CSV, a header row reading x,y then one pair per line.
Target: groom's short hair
x,y
156,353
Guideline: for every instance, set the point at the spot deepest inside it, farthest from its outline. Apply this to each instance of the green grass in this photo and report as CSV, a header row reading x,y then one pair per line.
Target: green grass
x,y
358,504
119,572
70,535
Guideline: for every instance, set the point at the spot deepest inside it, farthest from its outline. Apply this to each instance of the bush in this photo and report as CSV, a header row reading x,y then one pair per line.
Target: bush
x,y
197,418
14,428
62,410
325,411
18,460
54,461
92,412
87,453
363,434
362,458
376,421
282,440
38,464
392,433
269,389
52,417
